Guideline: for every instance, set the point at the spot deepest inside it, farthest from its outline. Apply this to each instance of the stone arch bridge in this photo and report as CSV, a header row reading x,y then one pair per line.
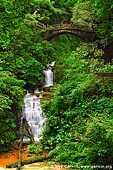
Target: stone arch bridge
x,y
52,31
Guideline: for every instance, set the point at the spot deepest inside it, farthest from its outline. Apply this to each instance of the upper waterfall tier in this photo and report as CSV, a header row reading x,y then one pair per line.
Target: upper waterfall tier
x,y
48,77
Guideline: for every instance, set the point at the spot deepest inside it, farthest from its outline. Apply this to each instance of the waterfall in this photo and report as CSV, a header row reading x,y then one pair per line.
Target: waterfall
x,y
49,74
33,114
48,77
32,111
51,64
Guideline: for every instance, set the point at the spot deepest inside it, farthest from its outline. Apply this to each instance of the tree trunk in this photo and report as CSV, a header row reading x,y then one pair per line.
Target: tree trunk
x,y
20,149
28,128
30,134
28,161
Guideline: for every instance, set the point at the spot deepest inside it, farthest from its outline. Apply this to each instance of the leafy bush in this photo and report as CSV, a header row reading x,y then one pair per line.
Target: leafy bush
x,y
11,95
35,148
79,124
79,127
96,140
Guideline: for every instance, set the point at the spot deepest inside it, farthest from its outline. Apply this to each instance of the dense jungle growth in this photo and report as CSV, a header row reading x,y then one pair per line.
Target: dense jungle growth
x,y
79,128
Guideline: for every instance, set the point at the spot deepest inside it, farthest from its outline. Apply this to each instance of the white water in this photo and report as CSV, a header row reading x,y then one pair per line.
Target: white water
x,y
48,77
51,64
33,114
32,110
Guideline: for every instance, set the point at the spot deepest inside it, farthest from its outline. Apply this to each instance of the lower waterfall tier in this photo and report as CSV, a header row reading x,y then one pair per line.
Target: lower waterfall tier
x,y
32,112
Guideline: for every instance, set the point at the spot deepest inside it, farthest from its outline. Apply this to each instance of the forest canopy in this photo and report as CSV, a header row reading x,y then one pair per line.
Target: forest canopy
x,y
79,116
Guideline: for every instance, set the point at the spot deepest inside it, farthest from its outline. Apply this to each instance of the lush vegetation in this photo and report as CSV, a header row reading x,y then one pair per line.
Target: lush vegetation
x,y
79,125
11,97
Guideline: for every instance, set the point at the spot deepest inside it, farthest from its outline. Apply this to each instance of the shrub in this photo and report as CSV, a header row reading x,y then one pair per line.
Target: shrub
x,y
35,148
11,95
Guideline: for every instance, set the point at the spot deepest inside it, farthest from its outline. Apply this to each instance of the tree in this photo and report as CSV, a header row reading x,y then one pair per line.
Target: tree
x,y
80,112
103,10
83,14
11,97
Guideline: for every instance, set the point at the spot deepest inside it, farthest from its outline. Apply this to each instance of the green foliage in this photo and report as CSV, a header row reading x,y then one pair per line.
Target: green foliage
x,y
66,153
35,148
11,95
96,139
24,55
21,44
79,128
64,46
79,124
83,14
105,14
104,140
94,14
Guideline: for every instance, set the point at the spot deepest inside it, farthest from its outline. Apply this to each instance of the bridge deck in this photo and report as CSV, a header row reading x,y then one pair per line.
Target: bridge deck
x,y
51,31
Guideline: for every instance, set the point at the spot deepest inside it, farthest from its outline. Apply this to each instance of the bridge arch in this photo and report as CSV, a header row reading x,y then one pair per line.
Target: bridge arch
x,y
84,33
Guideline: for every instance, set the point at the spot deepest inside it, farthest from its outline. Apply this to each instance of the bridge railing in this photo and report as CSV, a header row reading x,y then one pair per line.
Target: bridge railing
x,y
59,26
41,25
63,26
70,26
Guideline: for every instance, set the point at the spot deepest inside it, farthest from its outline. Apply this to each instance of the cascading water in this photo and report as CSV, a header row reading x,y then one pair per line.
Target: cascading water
x,y
33,114
32,111
48,77
49,74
